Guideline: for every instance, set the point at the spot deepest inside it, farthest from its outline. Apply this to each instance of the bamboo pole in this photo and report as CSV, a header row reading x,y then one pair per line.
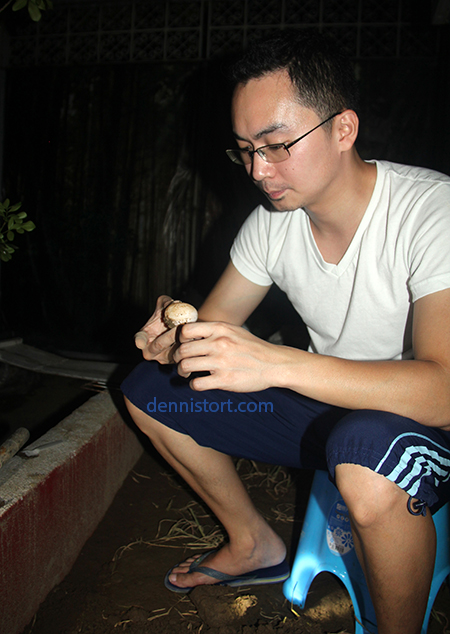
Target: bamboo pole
x,y
11,446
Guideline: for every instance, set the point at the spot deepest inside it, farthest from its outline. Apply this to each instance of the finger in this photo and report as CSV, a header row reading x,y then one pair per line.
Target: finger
x,y
141,339
196,364
192,348
197,330
164,356
172,350
180,371
162,302
162,342
206,382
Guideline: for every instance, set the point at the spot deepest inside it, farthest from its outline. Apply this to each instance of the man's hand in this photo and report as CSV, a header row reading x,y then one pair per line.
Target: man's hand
x,y
161,340
236,360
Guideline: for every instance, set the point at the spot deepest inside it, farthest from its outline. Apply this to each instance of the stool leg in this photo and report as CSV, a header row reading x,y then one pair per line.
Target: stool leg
x,y
325,511
314,556
442,564
308,561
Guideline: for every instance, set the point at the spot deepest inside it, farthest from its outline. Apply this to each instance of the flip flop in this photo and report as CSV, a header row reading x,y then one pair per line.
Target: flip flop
x,y
261,576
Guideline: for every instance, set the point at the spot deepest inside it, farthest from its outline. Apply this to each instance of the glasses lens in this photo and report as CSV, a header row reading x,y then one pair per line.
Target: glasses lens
x,y
269,153
241,158
274,153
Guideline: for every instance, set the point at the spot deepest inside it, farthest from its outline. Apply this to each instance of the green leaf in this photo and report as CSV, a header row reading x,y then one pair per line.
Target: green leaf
x,y
6,203
11,223
34,12
16,207
28,226
21,215
5,257
19,4
10,235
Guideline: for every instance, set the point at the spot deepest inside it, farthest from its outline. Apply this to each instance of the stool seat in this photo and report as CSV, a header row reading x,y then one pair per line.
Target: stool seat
x,y
326,544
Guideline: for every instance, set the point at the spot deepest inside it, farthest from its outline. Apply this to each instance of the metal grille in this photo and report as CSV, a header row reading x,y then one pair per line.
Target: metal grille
x,y
158,30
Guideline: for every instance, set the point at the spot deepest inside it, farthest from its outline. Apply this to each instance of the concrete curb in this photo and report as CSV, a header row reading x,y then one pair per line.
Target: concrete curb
x,y
50,504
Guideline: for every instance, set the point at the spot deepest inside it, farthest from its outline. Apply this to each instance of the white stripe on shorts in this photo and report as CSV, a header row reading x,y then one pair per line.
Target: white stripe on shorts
x,y
416,463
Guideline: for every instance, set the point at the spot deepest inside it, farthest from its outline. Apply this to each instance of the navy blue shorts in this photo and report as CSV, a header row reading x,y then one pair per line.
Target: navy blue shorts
x,y
279,426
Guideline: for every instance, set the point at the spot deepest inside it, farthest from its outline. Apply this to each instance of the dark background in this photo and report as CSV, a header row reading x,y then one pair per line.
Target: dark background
x,y
116,117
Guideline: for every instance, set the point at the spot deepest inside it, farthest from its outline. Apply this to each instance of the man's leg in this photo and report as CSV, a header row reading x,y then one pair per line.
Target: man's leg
x,y
212,475
396,549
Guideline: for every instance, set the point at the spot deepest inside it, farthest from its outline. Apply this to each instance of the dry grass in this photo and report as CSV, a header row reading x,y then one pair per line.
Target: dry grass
x,y
274,479
183,607
196,528
441,618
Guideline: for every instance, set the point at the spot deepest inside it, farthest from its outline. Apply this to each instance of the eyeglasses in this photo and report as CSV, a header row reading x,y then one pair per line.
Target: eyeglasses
x,y
274,153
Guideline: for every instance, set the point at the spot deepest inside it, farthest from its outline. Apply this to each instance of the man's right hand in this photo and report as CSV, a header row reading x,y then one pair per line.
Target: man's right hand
x,y
161,340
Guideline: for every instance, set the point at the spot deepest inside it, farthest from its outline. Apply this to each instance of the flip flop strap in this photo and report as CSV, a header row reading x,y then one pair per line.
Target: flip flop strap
x,y
215,574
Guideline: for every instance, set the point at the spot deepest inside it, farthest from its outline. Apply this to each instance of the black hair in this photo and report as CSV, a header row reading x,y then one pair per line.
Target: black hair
x,y
323,77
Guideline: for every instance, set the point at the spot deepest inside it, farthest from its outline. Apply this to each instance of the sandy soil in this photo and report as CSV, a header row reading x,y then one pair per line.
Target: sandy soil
x,y
155,521
116,584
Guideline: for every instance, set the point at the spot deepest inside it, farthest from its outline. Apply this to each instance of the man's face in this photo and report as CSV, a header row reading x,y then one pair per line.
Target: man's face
x,y
265,111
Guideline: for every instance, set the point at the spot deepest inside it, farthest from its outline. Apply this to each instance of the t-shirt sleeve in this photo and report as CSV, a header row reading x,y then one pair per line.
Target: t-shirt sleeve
x,y
249,249
429,253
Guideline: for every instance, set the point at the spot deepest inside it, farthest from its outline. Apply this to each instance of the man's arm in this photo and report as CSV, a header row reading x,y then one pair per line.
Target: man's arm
x,y
419,389
233,298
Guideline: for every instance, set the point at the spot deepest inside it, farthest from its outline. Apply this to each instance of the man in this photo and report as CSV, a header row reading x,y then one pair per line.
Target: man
x,y
361,249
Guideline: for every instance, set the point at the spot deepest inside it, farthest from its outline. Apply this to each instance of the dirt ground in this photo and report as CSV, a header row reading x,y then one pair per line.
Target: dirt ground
x,y
116,584
155,521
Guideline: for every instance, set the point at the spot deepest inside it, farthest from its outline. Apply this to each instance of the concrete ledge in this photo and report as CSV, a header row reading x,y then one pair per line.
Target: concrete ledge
x,y
50,504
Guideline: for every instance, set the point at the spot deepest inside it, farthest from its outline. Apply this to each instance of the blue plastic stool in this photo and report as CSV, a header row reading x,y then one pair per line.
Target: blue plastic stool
x,y
326,544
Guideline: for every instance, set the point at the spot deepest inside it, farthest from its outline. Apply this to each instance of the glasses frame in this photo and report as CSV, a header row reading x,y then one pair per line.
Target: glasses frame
x,y
260,150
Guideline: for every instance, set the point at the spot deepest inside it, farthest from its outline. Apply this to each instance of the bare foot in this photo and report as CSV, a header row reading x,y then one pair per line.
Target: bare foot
x,y
230,560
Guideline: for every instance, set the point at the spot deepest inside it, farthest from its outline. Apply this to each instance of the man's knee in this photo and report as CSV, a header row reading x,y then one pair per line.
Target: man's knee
x,y
369,496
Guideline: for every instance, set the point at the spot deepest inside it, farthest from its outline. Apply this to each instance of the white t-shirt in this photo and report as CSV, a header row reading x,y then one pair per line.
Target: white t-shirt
x,y
360,308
